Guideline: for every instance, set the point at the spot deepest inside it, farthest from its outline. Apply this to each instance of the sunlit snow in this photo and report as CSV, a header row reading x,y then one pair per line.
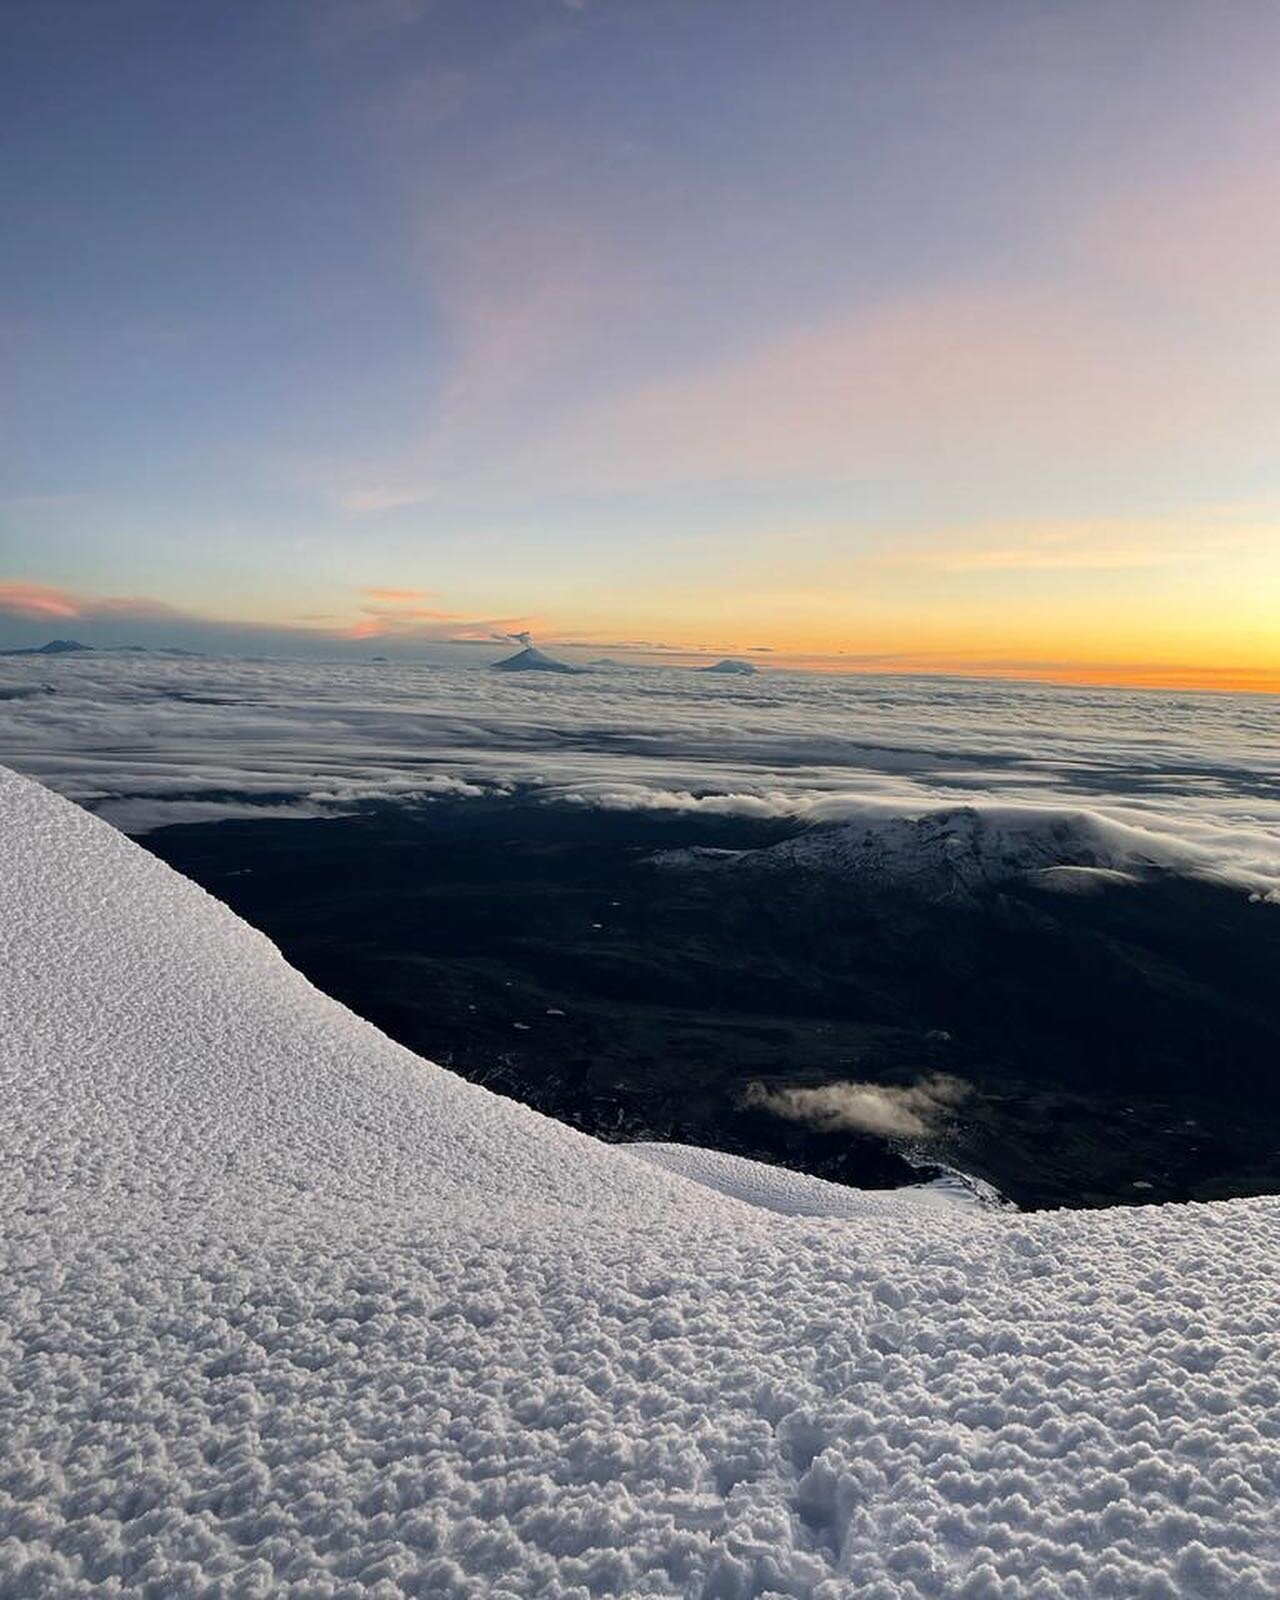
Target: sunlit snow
x,y
286,1310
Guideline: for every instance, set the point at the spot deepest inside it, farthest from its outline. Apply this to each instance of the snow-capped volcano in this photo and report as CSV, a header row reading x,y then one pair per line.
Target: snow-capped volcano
x,y
55,647
285,1309
731,668
531,659
952,852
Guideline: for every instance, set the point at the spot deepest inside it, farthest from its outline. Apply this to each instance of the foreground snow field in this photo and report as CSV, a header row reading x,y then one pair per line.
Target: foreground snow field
x,y
285,1309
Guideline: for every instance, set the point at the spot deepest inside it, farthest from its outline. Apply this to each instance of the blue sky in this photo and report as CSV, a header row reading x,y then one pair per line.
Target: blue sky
x,y
936,329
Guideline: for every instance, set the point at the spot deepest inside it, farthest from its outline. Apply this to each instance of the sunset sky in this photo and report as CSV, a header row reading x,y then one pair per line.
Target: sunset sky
x,y
904,336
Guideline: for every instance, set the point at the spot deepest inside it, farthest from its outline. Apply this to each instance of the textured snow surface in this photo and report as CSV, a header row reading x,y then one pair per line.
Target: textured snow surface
x,y
285,1310
796,1194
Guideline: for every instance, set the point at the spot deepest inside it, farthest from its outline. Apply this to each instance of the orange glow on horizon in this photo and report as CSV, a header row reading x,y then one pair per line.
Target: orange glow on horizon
x,y
1231,646
1224,680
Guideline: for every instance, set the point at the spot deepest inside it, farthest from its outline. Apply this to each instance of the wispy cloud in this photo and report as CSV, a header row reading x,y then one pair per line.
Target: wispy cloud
x,y
1095,545
380,497
38,600
399,596
963,380
1196,237
378,613
399,614
914,1111
35,601
1132,330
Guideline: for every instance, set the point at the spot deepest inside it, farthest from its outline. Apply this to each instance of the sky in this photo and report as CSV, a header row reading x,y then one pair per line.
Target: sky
x,y
897,336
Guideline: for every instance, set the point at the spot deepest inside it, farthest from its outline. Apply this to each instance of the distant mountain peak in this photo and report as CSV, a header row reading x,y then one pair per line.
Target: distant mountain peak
x,y
742,669
55,647
531,659
957,852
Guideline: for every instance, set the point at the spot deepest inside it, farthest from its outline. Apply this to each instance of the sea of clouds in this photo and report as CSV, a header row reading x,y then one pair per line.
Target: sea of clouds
x,y
1183,780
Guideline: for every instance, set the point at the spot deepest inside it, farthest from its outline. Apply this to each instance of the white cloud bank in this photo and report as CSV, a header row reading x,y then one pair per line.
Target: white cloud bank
x,y
1191,781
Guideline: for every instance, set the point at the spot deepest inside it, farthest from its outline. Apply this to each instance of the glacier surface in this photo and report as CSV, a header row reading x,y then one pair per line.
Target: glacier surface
x,y
287,1310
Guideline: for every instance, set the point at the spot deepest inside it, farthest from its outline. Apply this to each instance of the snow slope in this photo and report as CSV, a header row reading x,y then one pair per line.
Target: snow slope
x,y
796,1194
285,1310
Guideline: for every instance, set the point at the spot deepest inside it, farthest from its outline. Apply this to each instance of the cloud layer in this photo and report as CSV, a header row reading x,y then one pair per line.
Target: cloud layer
x,y
1192,779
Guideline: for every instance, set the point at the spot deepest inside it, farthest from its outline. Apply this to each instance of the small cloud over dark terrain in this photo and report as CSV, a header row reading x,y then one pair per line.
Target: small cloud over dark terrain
x,y
914,1111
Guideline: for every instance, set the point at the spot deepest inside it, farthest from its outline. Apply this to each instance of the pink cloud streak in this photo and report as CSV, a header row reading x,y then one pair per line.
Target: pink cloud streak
x,y
38,600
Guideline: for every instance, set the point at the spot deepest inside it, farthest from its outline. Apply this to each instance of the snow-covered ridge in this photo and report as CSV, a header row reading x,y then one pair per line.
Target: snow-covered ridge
x,y
286,1310
155,1044
949,852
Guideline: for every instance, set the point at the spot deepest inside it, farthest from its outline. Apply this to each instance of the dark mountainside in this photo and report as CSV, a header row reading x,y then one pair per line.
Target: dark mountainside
x,y
1121,1046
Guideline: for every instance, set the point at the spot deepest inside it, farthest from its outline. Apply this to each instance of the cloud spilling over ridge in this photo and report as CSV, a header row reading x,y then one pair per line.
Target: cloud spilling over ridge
x,y
771,804
1188,781
952,852
139,814
914,1111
